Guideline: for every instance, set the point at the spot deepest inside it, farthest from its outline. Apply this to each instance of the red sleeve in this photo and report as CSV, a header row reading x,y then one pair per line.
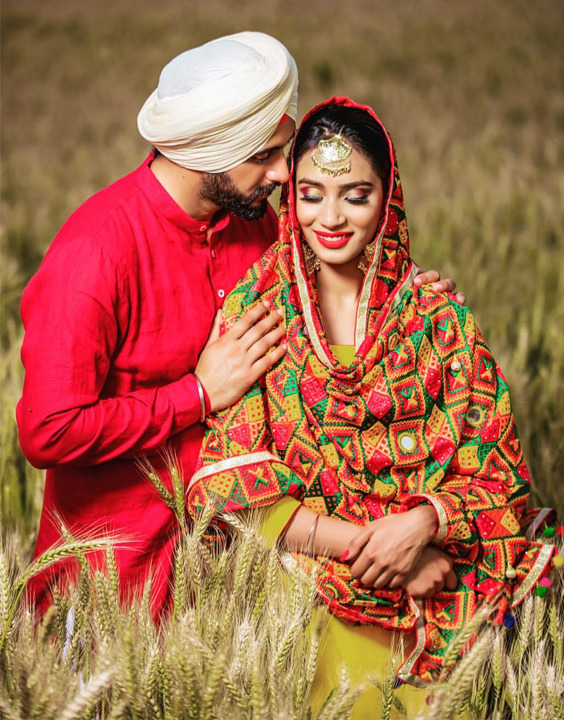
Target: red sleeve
x,y
70,313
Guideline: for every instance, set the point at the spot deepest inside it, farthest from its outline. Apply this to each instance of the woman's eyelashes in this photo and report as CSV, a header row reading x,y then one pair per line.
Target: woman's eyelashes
x,y
354,200
358,199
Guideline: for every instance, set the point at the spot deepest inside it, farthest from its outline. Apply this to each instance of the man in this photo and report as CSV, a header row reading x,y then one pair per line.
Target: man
x,y
119,313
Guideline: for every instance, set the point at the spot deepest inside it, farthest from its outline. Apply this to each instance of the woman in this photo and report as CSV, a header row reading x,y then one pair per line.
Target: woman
x,y
383,442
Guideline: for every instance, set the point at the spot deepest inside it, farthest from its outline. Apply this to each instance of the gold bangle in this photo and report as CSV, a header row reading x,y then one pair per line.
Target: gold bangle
x,y
311,536
202,399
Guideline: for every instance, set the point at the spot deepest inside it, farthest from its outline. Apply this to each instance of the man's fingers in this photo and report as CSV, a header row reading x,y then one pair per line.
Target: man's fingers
x,y
447,286
426,277
265,362
460,298
266,343
451,580
255,340
251,317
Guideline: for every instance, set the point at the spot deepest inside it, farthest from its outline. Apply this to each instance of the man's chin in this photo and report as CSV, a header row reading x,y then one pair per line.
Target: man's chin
x,y
253,211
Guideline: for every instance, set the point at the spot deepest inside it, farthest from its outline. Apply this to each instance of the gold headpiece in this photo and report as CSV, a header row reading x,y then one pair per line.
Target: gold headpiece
x,y
332,156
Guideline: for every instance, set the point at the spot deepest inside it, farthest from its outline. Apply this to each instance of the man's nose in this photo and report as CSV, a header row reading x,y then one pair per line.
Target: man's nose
x,y
279,171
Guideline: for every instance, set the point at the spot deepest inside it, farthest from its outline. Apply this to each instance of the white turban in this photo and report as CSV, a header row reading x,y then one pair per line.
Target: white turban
x,y
217,105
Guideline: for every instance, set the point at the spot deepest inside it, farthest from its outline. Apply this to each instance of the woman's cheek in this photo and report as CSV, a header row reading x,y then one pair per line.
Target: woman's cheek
x,y
305,215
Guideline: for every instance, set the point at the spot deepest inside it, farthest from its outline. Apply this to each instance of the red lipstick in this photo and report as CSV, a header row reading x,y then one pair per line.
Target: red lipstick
x,y
333,240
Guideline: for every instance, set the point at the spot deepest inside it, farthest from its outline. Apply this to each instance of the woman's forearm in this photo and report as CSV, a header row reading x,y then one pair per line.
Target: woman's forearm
x,y
331,536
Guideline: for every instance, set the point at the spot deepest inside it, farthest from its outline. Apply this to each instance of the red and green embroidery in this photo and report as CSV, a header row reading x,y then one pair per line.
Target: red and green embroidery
x,y
422,415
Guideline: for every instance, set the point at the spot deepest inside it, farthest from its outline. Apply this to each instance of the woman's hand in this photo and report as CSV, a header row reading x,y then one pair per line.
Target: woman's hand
x,y
387,550
428,277
432,573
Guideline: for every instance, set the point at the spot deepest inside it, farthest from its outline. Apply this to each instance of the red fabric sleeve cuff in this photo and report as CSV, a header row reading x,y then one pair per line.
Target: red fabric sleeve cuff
x,y
184,396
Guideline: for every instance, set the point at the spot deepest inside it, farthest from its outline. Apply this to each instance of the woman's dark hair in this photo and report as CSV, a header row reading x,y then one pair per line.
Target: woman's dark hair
x,y
357,126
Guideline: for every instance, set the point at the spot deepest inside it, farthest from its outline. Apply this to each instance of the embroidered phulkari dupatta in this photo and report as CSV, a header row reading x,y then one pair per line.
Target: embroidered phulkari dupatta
x,y
422,415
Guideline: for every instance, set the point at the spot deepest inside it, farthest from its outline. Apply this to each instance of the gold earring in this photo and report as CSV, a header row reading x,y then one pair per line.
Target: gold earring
x,y
311,260
367,256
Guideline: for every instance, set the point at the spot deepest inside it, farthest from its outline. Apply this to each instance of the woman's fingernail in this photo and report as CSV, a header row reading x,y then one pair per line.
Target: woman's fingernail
x,y
266,303
344,556
280,311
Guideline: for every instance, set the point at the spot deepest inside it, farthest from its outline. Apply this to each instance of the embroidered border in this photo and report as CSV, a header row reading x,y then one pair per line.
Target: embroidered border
x,y
362,312
230,463
404,673
306,304
400,292
529,582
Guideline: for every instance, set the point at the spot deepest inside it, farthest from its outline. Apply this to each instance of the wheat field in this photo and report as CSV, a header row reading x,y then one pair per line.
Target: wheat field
x,y
473,95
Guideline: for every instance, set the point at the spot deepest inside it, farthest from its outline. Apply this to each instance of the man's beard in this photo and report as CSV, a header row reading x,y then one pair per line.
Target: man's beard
x,y
219,188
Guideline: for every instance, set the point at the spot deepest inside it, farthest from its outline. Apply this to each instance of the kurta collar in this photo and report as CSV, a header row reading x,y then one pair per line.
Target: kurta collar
x,y
165,205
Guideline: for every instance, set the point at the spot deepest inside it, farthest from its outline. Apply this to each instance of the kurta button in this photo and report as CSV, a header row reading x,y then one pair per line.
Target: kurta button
x,y
203,228
213,254
221,293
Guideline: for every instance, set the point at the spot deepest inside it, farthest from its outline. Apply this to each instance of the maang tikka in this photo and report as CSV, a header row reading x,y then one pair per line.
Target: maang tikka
x,y
332,156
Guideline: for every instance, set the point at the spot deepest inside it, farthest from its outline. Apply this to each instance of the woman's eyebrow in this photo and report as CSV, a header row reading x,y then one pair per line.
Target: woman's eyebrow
x,y
347,186
360,183
305,181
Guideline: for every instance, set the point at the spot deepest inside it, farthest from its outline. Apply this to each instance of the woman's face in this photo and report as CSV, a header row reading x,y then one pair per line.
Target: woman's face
x,y
338,215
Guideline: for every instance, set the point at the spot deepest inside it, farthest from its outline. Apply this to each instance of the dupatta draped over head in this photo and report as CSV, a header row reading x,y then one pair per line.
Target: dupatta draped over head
x,y
422,415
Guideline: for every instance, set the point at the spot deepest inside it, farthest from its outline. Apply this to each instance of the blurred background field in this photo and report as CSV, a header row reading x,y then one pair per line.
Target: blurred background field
x,y
471,91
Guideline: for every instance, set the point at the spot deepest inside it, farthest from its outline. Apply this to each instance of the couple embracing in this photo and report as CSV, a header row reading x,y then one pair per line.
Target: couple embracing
x,y
359,409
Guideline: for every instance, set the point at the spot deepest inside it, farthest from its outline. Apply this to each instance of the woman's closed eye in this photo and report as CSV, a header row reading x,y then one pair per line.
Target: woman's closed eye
x,y
357,199
353,199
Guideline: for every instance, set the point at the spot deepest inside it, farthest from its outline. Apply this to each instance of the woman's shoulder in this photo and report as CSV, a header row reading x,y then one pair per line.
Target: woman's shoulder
x,y
443,312
265,280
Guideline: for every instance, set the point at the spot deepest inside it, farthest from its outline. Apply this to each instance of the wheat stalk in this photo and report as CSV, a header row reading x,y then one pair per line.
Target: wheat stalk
x,y
88,696
457,690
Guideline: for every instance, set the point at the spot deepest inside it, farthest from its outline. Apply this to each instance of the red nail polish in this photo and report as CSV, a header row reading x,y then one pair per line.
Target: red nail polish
x,y
344,556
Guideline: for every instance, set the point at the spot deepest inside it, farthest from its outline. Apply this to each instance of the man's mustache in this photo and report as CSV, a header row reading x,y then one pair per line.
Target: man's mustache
x,y
262,191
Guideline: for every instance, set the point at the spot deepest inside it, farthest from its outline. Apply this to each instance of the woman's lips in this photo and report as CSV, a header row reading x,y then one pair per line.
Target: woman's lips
x,y
333,240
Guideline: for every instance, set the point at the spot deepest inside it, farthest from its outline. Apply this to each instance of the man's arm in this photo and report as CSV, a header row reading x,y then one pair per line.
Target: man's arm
x,y
71,314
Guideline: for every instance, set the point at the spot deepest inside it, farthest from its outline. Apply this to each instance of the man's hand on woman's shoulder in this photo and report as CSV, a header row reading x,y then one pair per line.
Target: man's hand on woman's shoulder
x,y
433,277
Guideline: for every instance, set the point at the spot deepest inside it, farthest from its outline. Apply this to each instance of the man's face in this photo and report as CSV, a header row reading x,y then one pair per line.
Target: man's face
x,y
245,189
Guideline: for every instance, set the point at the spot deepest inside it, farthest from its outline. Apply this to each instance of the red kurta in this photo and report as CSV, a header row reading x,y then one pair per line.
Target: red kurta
x,y
115,320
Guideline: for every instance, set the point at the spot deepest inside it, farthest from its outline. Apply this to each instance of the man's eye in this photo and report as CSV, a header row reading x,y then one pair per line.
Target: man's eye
x,y
261,157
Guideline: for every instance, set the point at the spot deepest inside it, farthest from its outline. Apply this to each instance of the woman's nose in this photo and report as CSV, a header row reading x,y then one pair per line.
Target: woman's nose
x,y
331,215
